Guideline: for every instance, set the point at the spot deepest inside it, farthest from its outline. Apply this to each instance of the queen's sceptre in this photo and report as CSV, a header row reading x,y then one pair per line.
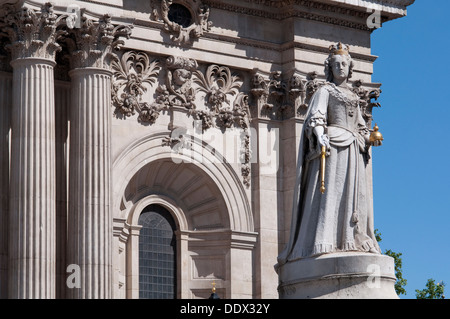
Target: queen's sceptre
x,y
322,169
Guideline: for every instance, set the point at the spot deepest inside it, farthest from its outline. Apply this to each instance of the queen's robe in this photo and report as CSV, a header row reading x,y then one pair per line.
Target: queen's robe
x,y
341,219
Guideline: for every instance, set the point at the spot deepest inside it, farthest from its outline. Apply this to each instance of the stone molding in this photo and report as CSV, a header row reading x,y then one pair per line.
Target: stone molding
x,y
149,149
276,9
338,6
310,10
350,275
157,199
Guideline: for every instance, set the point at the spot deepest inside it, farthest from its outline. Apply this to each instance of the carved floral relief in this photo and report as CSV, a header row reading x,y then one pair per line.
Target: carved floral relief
x,y
133,73
212,96
220,87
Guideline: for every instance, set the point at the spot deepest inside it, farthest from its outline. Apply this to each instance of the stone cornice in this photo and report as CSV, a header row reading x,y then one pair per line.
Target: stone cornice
x,y
382,5
306,9
285,8
347,13
280,3
284,46
399,4
390,9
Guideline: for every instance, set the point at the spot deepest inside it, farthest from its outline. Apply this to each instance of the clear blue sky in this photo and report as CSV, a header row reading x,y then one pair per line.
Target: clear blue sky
x,y
412,168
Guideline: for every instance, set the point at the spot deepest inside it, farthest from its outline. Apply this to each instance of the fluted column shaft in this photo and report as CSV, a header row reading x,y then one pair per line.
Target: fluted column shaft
x,y
90,217
5,124
32,187
62,103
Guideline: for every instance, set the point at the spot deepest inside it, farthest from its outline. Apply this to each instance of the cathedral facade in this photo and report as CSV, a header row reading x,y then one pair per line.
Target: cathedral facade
x,y
149,147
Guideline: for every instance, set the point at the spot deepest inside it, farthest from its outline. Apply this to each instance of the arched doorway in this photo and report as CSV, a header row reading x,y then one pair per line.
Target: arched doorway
x,y
157,254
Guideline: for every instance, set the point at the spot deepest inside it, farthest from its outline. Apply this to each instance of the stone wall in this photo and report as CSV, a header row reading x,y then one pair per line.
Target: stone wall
x,y
204,120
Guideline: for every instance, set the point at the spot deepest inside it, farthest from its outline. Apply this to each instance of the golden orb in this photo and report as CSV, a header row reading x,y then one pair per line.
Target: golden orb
x,y
376,137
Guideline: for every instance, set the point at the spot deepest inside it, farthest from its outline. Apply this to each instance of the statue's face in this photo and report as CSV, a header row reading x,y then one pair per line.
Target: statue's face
x,y
341,67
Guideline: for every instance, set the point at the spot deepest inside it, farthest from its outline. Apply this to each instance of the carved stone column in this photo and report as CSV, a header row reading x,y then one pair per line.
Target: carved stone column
x,y
132,260
5,113
90,219
90,216
33,46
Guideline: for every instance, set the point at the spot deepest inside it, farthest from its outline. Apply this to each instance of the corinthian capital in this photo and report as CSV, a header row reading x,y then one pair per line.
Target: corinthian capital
x,y
31,33
94,43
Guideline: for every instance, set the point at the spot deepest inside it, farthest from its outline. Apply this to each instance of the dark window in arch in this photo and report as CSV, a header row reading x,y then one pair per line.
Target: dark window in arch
x,y
157,254
180,15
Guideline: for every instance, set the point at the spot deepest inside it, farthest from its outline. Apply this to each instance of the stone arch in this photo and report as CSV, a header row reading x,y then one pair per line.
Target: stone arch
x,y
157,199
210,207
148,154
196,200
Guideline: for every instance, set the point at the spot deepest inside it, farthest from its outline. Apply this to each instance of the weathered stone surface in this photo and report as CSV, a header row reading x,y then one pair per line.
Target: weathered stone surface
x,y
204,119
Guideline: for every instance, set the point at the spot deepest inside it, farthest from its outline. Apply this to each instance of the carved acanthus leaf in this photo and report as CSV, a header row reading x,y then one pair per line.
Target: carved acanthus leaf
x,y
94,43
279,99
218,83
133,73
297,91
270,93
32,33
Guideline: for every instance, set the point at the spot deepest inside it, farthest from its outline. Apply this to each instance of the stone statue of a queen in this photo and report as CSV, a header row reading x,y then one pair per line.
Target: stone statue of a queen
x,y
340,219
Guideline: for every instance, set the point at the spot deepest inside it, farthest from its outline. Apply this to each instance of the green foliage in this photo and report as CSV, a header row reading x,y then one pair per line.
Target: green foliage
x,y
377,235
401,282
432,290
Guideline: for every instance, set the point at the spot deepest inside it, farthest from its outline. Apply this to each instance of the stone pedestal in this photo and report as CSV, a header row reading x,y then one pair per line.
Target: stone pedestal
x,y
338,276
